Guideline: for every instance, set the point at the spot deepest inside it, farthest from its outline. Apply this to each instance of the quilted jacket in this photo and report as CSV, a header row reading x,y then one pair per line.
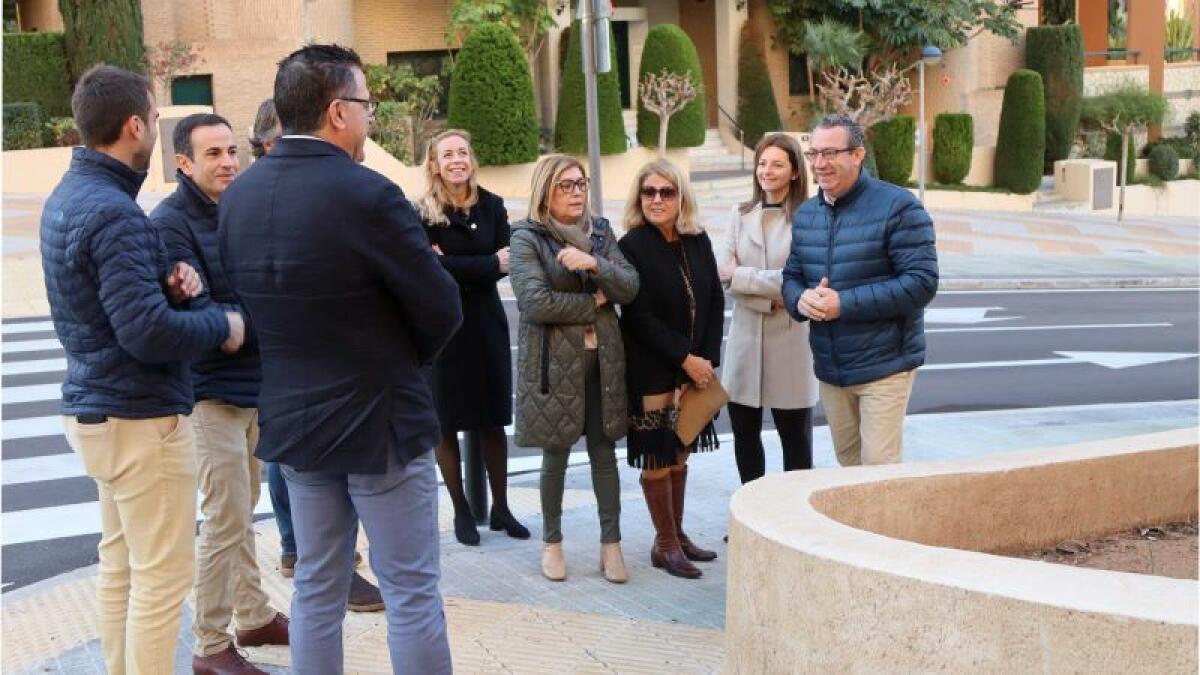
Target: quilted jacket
x,y
876,246
104,266
555,305
187,222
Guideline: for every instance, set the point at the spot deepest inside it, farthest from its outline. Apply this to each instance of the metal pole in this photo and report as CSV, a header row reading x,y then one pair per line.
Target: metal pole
x,y
476,485
588,41
921,133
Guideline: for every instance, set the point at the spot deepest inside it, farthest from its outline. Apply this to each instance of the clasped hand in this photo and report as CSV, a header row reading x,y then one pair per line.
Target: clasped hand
x,y
821,303
182,284
576,260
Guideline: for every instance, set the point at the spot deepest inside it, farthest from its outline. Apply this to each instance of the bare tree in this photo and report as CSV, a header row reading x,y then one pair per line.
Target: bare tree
x,y
664,95
167,60
866,97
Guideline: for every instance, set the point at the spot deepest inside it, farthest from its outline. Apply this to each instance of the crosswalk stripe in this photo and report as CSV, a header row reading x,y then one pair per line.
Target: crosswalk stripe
x,y
31,394
18,346
32,427
46,467
31,327
27,367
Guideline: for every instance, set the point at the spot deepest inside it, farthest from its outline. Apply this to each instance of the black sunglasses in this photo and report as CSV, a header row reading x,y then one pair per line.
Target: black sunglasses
x,y
667,193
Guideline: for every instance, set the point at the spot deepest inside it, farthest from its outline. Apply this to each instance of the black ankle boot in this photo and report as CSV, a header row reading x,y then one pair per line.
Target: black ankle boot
x,y
464,527
504,520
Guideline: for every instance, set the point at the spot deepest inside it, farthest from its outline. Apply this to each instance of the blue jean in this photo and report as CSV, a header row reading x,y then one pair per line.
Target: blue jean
x,y
277,488
399,511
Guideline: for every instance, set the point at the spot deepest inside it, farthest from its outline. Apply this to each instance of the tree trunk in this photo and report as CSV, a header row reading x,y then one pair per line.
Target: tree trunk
x,y
812,85
1122,173
663,121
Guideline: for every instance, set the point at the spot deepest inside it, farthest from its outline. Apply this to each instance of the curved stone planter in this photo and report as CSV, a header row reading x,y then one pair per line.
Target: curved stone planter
x,y
877,569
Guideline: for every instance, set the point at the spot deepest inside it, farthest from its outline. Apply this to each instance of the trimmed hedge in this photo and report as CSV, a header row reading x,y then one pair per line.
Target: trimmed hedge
x,y
667,46
1112,152
103,31
35,70
895,141
22,126
953,142
1021,142
491,96
1056,53
570,126
1164,162
757,113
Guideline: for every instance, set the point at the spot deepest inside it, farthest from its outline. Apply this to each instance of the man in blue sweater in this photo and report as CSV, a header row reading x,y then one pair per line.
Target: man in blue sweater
x,y
862,268
121,312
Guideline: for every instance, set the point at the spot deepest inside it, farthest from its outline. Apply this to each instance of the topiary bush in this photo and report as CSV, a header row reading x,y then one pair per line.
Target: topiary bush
x,y
1112,152
491,96
22,126
1056,53
953,142
570,127
1021,142
1164,162
894,142
35,70
757,113
667,46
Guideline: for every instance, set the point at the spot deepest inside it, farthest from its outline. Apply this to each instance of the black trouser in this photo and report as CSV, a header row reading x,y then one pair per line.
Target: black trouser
x,y
795,434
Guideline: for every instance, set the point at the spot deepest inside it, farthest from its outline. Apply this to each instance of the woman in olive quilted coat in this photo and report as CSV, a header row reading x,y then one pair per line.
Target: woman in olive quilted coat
x,y
567,273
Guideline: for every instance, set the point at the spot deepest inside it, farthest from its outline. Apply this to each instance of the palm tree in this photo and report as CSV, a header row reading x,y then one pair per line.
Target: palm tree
x,y
832,44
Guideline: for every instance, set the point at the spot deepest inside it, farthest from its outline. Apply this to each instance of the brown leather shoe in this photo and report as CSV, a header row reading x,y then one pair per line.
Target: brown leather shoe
x,y
678,488
275,632
666,552
364,596
225,662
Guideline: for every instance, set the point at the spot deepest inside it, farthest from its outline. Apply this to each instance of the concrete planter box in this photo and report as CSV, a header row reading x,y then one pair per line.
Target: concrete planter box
x,y
887,568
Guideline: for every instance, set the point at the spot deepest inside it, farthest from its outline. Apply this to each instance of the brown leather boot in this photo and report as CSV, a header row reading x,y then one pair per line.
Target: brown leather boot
x,y
225,662
274,633
678,488
666,552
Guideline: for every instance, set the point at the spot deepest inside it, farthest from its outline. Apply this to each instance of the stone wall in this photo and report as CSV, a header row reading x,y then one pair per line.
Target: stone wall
x,y
1181,86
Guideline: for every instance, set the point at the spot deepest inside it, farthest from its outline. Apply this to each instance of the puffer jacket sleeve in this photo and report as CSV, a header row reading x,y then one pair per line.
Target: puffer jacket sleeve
x,y
173,231
536,300
614,275
794,283
126,251
913,257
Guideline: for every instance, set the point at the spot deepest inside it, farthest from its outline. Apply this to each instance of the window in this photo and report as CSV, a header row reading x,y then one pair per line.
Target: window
x,y
798,75
192,90
428,63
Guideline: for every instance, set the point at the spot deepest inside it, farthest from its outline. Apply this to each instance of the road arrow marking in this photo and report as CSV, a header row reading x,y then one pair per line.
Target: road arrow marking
x,y
1111,360
964,315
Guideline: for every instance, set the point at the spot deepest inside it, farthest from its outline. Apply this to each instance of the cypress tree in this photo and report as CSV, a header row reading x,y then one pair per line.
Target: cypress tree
x,y
757,113
1021,142
1056,53
102,31
570,126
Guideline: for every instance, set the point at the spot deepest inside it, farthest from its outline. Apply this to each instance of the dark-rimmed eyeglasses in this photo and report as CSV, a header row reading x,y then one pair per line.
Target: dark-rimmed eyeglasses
x,y
367,104
827,154
569,186
666,193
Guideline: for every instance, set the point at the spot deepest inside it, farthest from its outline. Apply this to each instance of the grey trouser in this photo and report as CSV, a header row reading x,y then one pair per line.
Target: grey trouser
x,y
603,459
399,511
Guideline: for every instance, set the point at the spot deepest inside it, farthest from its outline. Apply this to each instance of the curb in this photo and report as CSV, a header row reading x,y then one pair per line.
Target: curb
x,y
1063,283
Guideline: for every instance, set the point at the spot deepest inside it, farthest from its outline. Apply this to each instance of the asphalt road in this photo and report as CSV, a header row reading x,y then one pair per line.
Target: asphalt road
x,y
985,351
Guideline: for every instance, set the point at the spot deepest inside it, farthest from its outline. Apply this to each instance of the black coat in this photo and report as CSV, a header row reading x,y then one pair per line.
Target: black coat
x,y
187,223
472,378
655,324
350,304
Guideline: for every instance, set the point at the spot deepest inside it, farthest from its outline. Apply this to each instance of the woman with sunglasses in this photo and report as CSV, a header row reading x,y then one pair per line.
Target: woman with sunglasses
x,y
673,340
768,361
472,378
567,273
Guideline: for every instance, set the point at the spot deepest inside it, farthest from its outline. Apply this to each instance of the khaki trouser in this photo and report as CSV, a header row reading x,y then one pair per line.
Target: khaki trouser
x,y
227,581
146,474
867,420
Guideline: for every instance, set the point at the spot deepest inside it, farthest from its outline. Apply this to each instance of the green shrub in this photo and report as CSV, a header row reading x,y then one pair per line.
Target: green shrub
x,y
667,46
491,96
894,142
570,127
61,132
1164,162
1021,142
953,142
1191,128
22,126
103,31
35,70
1056,53
757,113
1112,152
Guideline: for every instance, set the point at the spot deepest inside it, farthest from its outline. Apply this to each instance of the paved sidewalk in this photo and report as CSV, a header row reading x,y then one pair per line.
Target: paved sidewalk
x,y
504,617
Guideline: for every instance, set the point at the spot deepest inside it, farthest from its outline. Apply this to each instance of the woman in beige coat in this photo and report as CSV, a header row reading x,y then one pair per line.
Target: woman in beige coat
x,y
768,361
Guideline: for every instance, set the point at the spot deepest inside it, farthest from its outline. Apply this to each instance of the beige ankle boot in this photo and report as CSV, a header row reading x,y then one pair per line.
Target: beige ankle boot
x,y
554,565
612,563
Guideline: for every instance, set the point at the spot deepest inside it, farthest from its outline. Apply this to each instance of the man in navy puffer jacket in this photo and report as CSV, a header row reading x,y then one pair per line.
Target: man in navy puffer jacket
x,y
118,309
862,268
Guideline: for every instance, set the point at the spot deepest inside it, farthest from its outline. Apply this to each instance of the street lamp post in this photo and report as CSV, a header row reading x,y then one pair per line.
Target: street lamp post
x,y
932,56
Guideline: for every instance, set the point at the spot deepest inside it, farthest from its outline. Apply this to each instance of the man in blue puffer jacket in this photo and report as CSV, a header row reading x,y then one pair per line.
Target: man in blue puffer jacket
x,y
118,309
862,268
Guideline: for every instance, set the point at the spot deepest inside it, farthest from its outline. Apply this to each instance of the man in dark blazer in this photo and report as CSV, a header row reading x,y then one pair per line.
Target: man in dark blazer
x,y
350,306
